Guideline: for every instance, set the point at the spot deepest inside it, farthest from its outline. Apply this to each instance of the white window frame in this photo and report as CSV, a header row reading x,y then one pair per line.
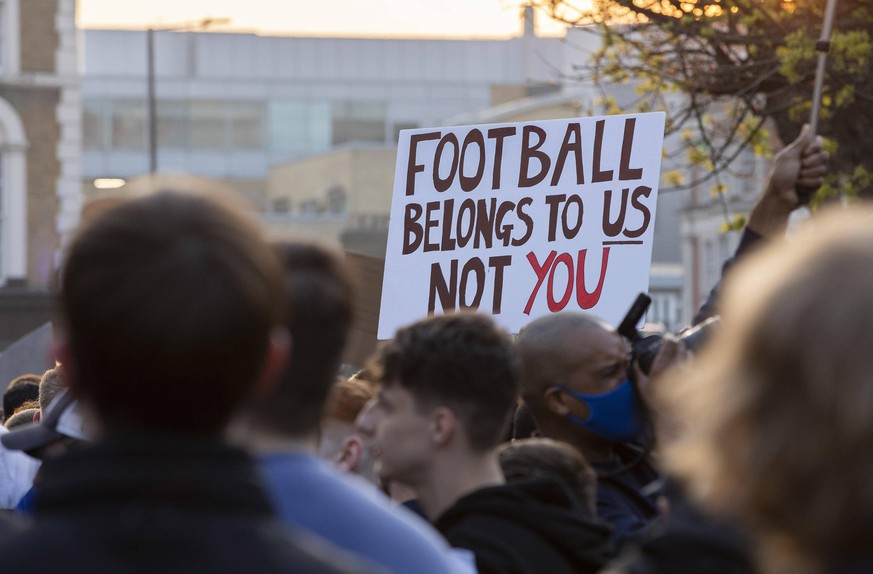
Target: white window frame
x,y
13,219
10,42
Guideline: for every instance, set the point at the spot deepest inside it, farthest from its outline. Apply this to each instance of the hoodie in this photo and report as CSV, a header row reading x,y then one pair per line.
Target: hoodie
x,y
527,527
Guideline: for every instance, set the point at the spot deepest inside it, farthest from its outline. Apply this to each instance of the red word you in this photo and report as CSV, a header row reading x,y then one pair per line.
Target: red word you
x,y
558,296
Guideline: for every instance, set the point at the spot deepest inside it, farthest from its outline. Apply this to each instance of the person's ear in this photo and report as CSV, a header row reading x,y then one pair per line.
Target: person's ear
x,y
442,426
350,453
278,355
64,356
557,401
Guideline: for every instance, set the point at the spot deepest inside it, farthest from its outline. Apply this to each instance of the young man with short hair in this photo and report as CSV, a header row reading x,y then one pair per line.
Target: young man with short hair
x,y
449,386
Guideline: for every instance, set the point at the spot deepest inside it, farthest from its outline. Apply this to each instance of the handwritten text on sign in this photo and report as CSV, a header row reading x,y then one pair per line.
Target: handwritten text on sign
x,y
522,220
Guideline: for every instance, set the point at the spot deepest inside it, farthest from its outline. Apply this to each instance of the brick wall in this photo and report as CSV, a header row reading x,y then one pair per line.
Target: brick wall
x,y
39,38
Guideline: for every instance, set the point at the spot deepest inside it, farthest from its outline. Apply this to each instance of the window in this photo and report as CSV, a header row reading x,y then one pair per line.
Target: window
x,y
289,127
13,195
281,205
10,49
247,125
94,124
208,125
299,127
358,122
173,124
336,200
3,33
128,121
711,264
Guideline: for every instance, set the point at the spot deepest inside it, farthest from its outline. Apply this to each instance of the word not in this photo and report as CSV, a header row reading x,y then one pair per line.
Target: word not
x,y
454,291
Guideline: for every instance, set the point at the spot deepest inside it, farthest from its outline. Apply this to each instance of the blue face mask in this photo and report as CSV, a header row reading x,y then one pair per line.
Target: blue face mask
x,y
614,415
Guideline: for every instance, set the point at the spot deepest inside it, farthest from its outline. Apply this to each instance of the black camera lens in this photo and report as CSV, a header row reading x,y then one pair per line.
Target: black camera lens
x,y
645,350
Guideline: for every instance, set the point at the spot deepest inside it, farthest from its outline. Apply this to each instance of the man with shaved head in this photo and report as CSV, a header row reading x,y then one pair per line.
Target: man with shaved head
x,y
575,381
575,376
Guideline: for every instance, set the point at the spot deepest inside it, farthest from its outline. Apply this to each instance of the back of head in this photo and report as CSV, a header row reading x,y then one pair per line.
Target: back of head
x,y
22,389
23,416
537,458
774,423
319,294
347,398
51,383
463,361
339,440
167,303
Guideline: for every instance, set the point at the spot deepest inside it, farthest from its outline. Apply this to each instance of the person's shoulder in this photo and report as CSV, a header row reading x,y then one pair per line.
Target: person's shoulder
x,y
309,481
351,513
260,546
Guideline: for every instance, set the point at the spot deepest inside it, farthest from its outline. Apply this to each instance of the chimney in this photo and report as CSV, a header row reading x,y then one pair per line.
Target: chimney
x,y
528,19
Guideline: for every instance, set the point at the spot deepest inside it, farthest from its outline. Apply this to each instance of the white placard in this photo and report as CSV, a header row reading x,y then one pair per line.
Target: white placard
x,y
522,220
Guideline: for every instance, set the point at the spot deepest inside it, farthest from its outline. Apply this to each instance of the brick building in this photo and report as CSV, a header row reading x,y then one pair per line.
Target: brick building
x,y
40,154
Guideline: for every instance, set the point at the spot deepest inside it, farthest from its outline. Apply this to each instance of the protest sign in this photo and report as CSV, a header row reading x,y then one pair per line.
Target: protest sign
x,y
522,220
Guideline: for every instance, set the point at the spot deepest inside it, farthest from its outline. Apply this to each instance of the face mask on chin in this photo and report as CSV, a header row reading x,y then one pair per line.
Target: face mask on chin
x,y
614,415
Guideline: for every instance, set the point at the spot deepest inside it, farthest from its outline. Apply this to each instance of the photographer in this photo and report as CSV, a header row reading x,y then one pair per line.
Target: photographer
x,y
575,382
576,377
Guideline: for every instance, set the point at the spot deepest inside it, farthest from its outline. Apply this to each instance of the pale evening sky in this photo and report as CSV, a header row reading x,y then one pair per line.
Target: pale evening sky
x,y
396,18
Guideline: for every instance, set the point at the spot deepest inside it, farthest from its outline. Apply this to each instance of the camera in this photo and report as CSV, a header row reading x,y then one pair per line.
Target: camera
x,y
644,348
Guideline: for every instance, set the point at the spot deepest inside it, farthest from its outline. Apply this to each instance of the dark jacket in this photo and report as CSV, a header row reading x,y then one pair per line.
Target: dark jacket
x,y
688,541
157,505
526,527
627,491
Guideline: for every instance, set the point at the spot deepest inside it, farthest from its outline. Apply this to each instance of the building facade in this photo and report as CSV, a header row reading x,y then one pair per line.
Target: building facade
x,y
40,154
230,106
306,127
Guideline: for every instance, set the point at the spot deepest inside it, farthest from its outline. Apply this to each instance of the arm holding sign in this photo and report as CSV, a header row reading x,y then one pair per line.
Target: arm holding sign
x,y
803,162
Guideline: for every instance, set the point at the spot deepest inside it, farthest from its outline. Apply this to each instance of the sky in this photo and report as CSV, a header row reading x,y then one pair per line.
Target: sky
x,y
397,18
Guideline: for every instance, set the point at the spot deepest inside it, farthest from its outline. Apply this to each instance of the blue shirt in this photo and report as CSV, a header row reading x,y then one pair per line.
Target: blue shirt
x,y
353,515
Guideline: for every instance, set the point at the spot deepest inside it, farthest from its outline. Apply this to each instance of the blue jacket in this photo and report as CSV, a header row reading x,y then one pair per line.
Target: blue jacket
x,y
353,515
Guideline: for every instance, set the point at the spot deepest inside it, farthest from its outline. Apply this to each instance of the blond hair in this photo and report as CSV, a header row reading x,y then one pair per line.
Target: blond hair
x,y
774,424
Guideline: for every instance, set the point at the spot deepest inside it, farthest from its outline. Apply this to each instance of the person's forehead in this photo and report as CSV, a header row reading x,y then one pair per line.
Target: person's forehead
x,y
594,344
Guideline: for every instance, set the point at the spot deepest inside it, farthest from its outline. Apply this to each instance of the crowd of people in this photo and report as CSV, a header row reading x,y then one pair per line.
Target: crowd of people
x,y
197,421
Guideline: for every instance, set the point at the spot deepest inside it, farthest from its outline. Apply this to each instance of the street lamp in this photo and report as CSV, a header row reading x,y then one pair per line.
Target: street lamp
x,y
150,77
